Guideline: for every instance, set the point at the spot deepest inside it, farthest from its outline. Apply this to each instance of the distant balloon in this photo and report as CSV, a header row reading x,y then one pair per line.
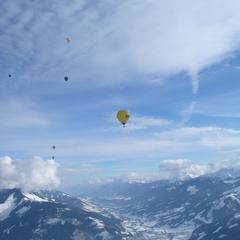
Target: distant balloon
x,y
66,78
123,116
9,75
67,39
53,147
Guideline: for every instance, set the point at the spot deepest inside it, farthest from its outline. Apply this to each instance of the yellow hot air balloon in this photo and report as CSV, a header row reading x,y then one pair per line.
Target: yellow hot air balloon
x,y
123,116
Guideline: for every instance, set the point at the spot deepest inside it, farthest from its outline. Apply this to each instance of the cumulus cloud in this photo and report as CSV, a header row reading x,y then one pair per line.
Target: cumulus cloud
x,y
176,169
29,175
8,172
181,168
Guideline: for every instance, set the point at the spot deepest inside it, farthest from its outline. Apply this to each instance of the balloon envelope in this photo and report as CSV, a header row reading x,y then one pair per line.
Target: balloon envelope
x,y
123,116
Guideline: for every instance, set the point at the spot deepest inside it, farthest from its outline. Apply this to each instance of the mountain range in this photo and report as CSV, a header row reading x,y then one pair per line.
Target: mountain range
x,y
202,208
53,216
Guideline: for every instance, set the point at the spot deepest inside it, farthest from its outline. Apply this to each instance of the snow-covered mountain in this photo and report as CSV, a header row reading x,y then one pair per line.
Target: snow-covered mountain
x,y
53,216
195,209
203,208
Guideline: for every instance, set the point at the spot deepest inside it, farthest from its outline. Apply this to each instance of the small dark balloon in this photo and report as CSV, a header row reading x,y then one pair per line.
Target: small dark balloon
x,y
67,39
9,75
53,147
66,78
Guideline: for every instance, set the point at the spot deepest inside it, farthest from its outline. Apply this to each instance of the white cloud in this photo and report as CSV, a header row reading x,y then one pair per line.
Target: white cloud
x,y
187,112
8,173
149,37
141,177
81,170
29,175
195,83
104,145
174,169
138,122
181,168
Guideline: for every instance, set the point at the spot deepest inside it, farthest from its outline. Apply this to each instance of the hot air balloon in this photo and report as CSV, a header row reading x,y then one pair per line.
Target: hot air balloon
x,y
9,75
66,78
67,39
53,147
123,116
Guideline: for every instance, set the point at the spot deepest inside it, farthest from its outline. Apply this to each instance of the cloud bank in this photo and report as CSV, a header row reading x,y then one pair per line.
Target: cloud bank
x,y
28,175
181,168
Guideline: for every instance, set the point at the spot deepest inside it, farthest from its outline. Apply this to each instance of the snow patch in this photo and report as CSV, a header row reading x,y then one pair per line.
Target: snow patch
x,y
233,226
8,230
23,210
222,236
192,190
218,229
105,235
34,197
7,207
97,223
202,235
90,208
54,221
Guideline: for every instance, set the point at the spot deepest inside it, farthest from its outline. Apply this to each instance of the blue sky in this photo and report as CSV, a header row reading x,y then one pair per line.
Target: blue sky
x,y
175,66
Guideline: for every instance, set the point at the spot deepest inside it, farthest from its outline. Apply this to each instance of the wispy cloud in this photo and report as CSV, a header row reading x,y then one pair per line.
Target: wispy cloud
x,y
186,114
138,122
89,169
139,37
20,114
125,145
118,45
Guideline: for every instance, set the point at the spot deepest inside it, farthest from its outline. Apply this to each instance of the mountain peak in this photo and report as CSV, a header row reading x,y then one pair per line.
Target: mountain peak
x,y
53,215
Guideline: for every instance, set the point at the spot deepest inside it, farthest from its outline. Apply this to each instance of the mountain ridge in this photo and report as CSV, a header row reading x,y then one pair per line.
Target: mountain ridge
x,y
35,216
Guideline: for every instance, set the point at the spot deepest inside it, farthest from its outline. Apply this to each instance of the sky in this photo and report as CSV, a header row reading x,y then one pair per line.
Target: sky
x,y
175,65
